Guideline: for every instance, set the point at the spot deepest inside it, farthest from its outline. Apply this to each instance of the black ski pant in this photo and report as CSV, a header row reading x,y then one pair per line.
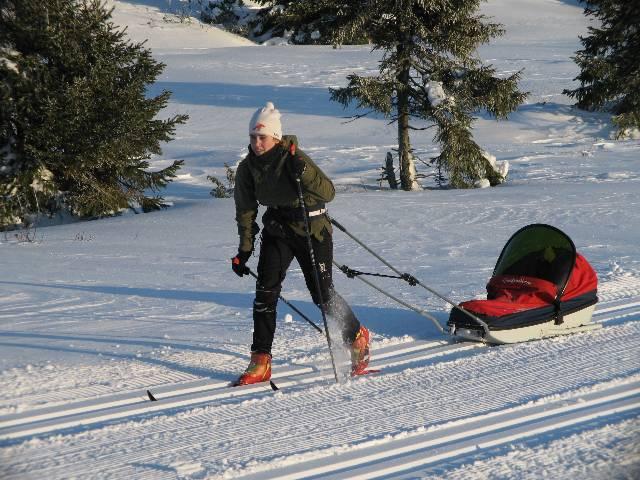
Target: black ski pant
x,y
276,254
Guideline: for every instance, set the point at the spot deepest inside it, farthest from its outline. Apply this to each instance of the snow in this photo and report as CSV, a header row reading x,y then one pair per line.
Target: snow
x,y
8,63
160,25
93,314
501,167
435,93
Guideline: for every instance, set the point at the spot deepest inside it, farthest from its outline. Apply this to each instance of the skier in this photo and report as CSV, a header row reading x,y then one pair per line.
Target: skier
x,y
267,176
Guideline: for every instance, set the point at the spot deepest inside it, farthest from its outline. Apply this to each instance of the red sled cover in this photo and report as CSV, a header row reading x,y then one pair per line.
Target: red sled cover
x,y
538,277
508,294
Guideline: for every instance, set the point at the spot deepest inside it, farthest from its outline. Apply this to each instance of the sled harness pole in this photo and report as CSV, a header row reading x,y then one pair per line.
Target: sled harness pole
x,y
396,299
410,279
351,273
292,307
316,275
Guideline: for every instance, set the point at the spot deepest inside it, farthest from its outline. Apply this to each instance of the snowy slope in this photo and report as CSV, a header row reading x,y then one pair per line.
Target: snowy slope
x,y
165,25
93,314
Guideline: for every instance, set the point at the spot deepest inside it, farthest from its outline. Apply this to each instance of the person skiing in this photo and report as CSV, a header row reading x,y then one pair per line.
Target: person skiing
x,y
267,176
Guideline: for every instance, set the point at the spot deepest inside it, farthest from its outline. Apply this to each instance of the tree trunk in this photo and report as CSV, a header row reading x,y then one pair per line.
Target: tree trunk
x,y
407,168
389,173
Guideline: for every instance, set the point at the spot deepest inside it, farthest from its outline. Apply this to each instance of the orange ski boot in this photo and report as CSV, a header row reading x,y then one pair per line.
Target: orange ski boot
x,y
360,352
259,370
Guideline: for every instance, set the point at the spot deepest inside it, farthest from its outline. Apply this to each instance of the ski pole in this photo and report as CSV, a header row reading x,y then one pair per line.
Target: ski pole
x,y
292,306
413,279
316,275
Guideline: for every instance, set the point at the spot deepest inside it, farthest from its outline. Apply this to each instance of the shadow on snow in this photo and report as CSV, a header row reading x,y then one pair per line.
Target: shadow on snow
x,y
384,321
288,99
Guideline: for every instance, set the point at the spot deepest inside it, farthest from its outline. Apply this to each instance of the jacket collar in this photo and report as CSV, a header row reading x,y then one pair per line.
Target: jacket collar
x,y
267,159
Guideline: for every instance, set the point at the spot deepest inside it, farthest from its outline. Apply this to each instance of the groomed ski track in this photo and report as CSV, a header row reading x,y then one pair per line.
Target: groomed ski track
x,y
201,392
171,396
418,421
466,436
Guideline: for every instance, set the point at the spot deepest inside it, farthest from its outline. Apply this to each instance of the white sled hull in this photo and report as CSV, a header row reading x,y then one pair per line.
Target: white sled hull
x,y
579,321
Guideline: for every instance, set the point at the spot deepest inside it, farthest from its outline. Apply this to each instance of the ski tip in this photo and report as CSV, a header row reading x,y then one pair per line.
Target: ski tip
x,y
273,386
151,397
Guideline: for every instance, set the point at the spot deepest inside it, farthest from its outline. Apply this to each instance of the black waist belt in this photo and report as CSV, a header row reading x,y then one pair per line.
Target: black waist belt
x,y
289,214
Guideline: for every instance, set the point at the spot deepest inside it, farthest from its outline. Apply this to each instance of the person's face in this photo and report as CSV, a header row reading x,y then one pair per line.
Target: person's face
x,y
262,143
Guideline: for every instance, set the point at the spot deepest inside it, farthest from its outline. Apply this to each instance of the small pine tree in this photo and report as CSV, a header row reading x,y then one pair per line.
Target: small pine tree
x,y
610,63
429,71
219,189
76,128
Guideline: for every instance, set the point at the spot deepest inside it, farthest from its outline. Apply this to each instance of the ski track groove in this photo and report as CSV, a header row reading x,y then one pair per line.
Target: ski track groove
x,y
140,460
127,455
132,461
162,379
75,393
361,394
175,378
397,456
135,404
620,287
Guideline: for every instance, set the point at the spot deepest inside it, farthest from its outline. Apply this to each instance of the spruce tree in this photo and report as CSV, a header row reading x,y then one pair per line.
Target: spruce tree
x,y
610,63
303,22
229,14
76,127
429,72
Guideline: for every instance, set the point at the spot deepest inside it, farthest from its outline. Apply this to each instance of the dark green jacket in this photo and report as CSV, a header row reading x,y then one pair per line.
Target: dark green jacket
x,y
266,180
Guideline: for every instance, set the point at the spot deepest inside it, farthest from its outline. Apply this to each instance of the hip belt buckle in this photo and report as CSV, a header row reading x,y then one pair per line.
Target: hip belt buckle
x,y
315,213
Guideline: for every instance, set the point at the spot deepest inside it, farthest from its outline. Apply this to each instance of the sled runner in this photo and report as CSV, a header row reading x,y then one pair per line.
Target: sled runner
x,y
540,287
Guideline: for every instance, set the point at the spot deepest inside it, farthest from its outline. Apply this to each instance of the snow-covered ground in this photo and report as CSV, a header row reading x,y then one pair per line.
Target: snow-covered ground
x,y
93,314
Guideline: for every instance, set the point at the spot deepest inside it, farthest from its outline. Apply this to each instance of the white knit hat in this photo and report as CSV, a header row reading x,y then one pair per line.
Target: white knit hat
x,y
266,121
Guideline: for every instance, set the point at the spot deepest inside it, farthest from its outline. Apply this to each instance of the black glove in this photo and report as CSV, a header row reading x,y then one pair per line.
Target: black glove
x,y
239,263
296,165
